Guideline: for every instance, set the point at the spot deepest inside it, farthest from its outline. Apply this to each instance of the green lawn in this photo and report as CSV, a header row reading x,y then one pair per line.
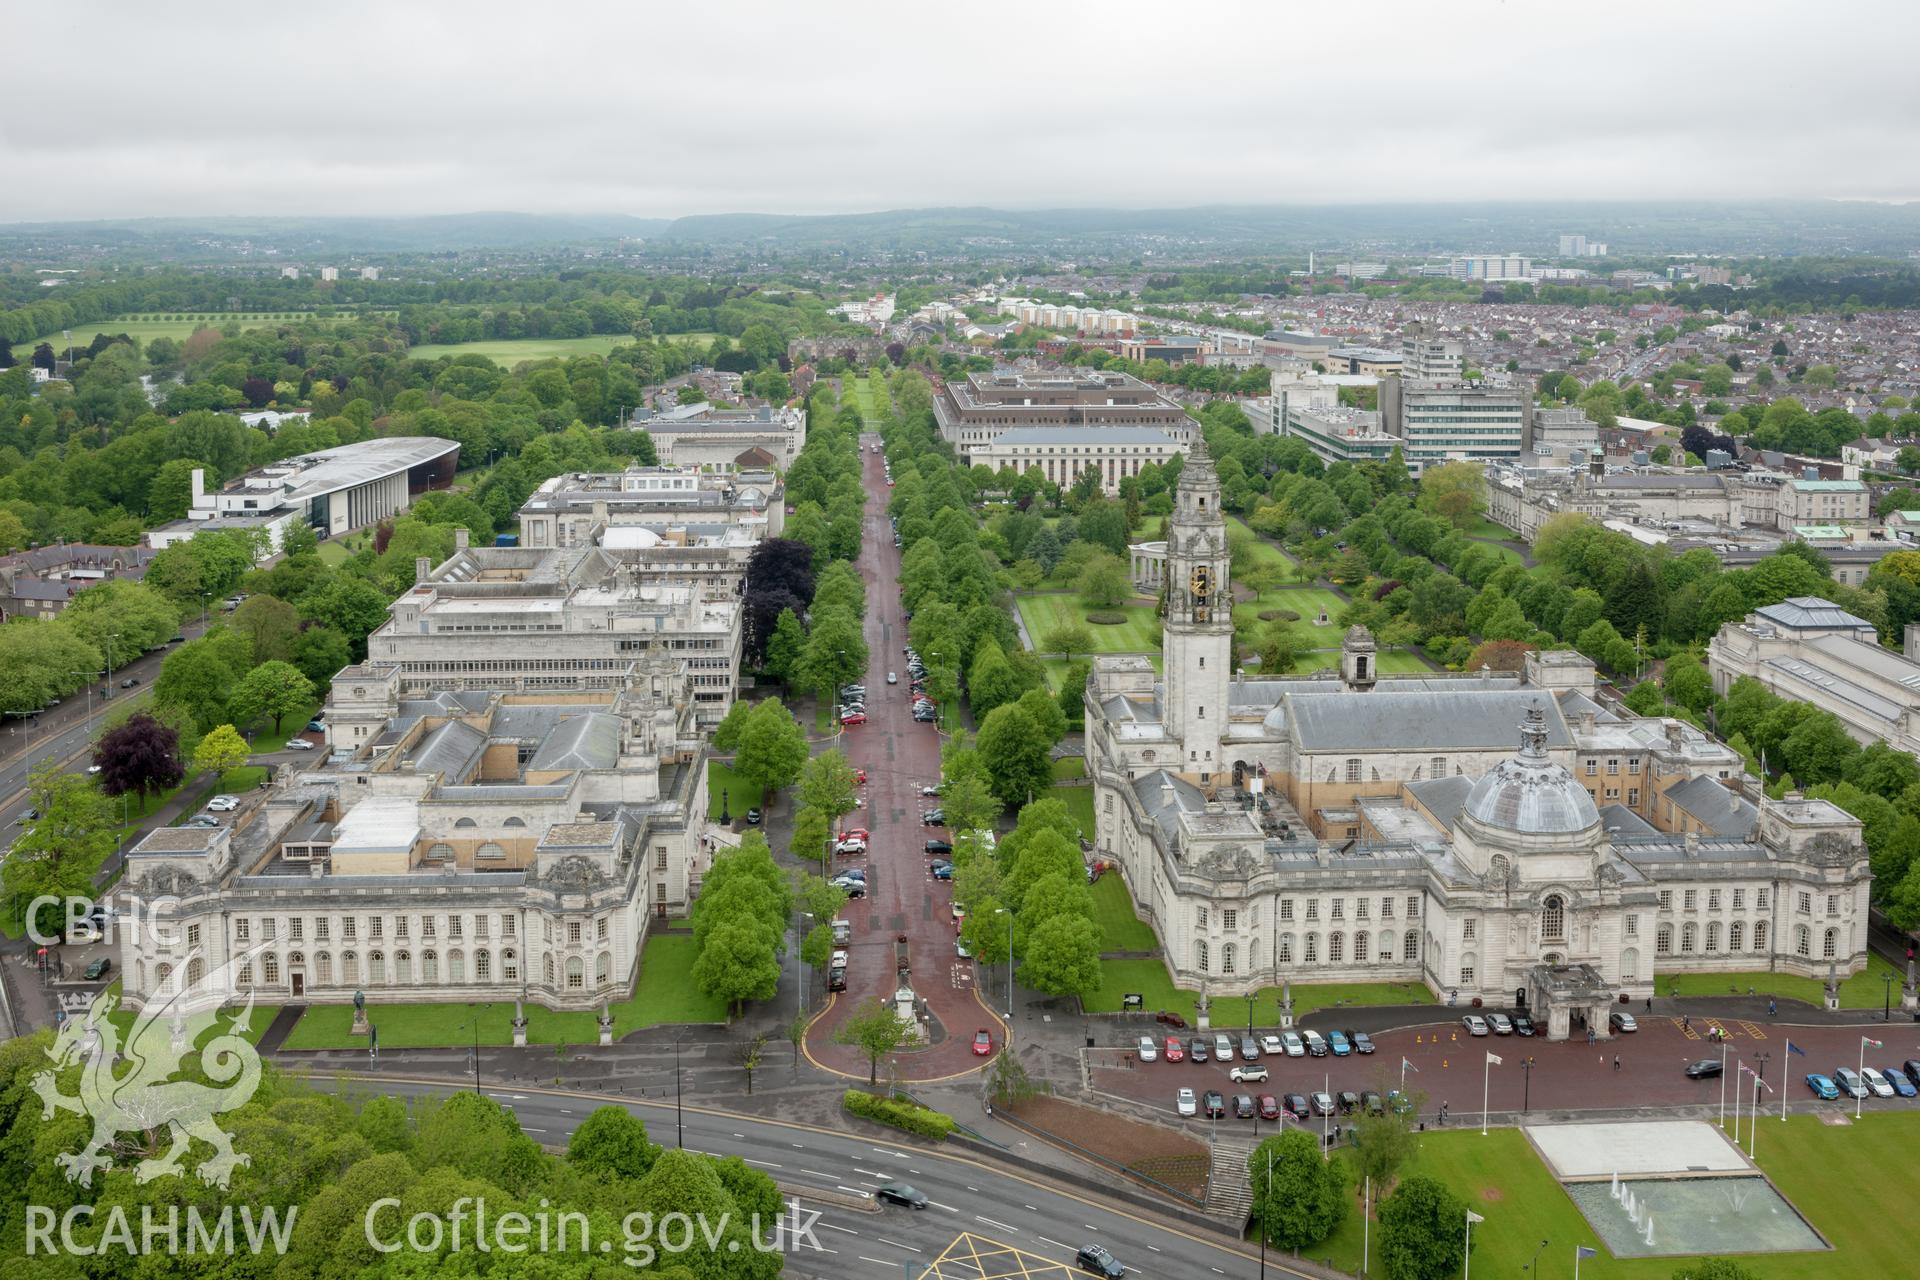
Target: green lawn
x,y
723,783
1079,802
1504,1181
1264,553
258,1020
1140,633
1120,928
872,401
1149,978
666,995
1066,768
151,325
1864,990
1305,601
511,351
1505,553
1485,528
271,739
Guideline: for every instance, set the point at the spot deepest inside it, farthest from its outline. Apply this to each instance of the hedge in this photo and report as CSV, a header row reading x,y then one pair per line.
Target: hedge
x,y
1107,618
901,1115
1279,615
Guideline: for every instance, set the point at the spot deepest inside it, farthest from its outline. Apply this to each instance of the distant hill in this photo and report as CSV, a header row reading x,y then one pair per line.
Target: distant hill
x,y
431,234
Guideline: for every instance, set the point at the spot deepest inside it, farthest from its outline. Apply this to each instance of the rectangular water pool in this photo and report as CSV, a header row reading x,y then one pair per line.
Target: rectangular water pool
x,y
1695,1216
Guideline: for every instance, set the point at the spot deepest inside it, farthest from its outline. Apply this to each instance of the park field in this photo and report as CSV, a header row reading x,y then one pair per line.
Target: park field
x,y
1868,989
146,327
1139,634
508,352
666,994
1811,1163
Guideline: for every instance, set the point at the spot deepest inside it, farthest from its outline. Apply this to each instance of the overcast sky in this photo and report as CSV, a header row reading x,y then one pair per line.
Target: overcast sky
x,y
669,107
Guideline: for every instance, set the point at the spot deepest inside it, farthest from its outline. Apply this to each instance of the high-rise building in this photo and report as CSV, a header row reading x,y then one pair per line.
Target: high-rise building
x,y
1451,421
1573,246
1491,266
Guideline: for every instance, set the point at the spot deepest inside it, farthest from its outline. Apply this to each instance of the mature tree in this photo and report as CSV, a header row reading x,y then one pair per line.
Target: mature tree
x,y
57,853
786,647
836,654
352,606
1062,957
320,652
969,804
1015,752
1422,1231
1454,491
612,1143
1068,638
170,492
827,784
277,689
739,961
1040,703
221,750
773,748
874,1029
1103,582
1383,1144
270,624
198,678
141,755
726,734
121,619
1299,1196
812,834
1688,684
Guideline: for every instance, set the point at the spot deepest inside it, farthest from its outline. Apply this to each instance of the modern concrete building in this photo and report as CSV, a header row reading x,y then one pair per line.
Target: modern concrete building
x,y
573,619
1431,359
1354,827
1062,453
1811,650
334,490
725,439
974,411
481,847
1448,421
1341,434
1490,266
1375,361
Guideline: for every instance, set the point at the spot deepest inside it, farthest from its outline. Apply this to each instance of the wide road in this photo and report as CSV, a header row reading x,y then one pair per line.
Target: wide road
x,y
900,756
966,1196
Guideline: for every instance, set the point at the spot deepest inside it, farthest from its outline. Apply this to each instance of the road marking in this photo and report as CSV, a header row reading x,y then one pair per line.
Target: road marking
x,y
843,1230
949,1208
990,1222
762,1163
1055,1243
816,1173
878,1262
896,1244
527,1128
871,1173
858,1191
1033,1209
1154,1247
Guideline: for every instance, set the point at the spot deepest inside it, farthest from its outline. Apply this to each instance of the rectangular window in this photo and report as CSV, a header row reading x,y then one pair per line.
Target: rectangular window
x,y
659,857
348,928
296,929
1760,899
1437,767
453,926
1613,766
1739,899
1666,899
429,927
1413,908
1466,975
242,930
1286,908
1386,908
269,928
1633,926
1359,908
373,926
1339,911
1690,900
573,931
1633,765
1468,928
1833,904
400,927
600,929
1713,899
1593,768
1313,908
1199,917
320,929
193,935
506,926
1230,919
1353,770
1633,797
1806,904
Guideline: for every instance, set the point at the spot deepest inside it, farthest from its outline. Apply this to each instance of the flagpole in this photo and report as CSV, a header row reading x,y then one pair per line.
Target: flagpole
x,y
1366,1227
1723,1092
1466,1269
1785,1058
1576,1262
1860,1079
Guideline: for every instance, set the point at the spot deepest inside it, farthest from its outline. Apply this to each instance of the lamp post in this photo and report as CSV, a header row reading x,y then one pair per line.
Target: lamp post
x,y
475,1020
1526,1096
799,941
1534,1266
1759,1079
111,637
86,691
679,1126
1886,1012
1002,911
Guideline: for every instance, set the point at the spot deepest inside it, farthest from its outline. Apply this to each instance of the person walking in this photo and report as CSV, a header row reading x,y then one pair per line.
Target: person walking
x,y
1773,1009
1616,1062
1649,1004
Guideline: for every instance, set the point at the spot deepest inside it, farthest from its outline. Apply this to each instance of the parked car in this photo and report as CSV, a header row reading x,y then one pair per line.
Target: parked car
x,y
1338,1043
1197,1048
1374,1104
1361,1042
1705,1069
1348,1101
1186,1103
929,791
129,682
1213,1104
223,804
1147,1050
1900,1083
1501,1024
900,1193
1271,1046
97,970
1316,1043
1249,1049
1175,1051
853,718
1850,1082
933,818
1269,1107
1876,1082
1243,1106
316,726
1522,1025
837,978
982,1043
1912,1067
1094,1257
1822,1087
892,678
1322,1103
1295,1105
753,817
1475,1024
939,846
1622,1022
299,744
1222,1047
1293,1044
852,888
201,820
1251,1073
942,870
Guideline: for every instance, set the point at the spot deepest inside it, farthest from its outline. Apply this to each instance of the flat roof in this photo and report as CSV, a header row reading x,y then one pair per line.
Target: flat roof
x,y
348,466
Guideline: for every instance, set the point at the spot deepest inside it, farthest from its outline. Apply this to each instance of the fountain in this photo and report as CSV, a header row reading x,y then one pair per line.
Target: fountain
x,y
1649,1236
1614,1190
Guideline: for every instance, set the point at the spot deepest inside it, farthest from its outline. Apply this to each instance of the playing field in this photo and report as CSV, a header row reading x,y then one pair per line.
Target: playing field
x,y
144,328
510,352
1139,634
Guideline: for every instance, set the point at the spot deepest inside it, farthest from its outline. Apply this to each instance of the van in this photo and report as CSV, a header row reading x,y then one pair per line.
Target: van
x,y
1222,1047
842,932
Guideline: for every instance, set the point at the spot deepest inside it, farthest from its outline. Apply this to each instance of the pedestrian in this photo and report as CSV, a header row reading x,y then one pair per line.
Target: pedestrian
x,y
1616,1062
1649,1004
1686,1022
1443,1113
1773,1010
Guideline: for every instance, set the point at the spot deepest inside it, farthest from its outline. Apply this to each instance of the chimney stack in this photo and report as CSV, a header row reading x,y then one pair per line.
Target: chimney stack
x,y
461,538
421,568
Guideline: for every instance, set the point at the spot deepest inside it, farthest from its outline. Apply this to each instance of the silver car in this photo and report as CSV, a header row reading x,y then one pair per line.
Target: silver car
x,y
1475,1024
1186,1103
1147,1049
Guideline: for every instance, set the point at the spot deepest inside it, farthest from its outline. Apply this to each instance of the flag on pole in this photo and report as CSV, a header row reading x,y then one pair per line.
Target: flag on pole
x,y
1581,1251
1493,1059
1408,1066
1871,1044
1474,1217
1794,1048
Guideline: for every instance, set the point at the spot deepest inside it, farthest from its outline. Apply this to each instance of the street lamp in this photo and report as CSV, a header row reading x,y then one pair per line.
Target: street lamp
x,y
679,1126
111,637
1886,1013
475,1020
87,692
1526,1092
1534,1266
1002,911
800,940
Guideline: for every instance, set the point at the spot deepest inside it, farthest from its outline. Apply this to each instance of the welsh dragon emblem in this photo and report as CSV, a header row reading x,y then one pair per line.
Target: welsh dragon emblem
x,y
126,1089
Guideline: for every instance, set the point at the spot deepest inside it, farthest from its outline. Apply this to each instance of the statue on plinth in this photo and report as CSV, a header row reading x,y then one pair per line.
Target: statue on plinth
x,y
359,1027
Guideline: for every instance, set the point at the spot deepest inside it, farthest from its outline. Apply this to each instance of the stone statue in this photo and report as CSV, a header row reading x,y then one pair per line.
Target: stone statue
x,y
360,1002
359,1027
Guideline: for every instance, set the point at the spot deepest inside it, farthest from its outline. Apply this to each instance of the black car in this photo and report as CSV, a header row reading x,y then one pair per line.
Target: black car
x,y
1295,1104
1212,1105
1197,1050
837,978
852,888
1096,1259
753,817
933,818
1361,1042
939,846
1705,1069
1912,1067
1522,1025
900,1193
925,717
1243,1106
97,970
1373,1103
1348,1102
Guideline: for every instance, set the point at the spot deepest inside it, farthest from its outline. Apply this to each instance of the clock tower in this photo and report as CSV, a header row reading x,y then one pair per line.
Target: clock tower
x,y
1198,638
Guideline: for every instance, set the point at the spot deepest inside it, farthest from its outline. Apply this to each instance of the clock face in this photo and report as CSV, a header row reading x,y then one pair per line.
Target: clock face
x,y
1201,582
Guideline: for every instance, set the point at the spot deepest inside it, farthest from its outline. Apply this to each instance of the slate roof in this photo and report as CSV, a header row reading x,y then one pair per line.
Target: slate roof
x,y
1442,797
451,751
1805,612
1722,812
1622,821
1471,720
591,741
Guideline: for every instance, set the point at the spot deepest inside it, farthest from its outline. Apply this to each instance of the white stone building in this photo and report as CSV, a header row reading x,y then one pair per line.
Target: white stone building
x,y
725,439
1351,827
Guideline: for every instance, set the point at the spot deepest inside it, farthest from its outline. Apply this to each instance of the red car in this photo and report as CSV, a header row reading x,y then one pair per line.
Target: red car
x,y
1176,1052
857,717
854,833
982,1044
859,775
1269,1107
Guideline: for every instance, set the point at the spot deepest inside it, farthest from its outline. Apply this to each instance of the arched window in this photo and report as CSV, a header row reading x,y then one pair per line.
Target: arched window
x,y
1553,919
514,822
576,973
1286,948
376,967
1313,949
196,969
1759,935
323,969
1253,956
603,969
456,965
1802,940
465,822
429,966
1411,950
546,969
1689,938
350,968
1336,947
1663,940
1629,965
482,966
1736,935
1713,936
440,852
1830,944
1497,866
1227,958
490,850
403,968
510,964
1360,947
1200,955
270,968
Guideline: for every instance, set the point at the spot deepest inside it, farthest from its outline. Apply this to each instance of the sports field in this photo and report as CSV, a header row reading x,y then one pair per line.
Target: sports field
x,y
512,351
145,327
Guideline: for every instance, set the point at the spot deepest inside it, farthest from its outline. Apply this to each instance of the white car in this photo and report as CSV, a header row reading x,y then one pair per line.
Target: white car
x,y
1185,1103
892,678
299,744
1475,1024
223,804
1877,1082
1294,1045
1251,1073
1147,1049
1272,1045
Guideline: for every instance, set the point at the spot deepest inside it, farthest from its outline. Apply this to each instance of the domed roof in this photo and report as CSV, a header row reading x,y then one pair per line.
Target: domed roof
x,y
1530,794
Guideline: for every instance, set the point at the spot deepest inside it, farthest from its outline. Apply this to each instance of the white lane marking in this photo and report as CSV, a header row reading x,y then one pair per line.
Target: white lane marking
x,y
843,1230
1089,1226
896,1244
877,1262
990,1222
1055,1243
844,1187
871,1173
949,1208
527,1128
973,1189
816,1173
762,1163
1154,1247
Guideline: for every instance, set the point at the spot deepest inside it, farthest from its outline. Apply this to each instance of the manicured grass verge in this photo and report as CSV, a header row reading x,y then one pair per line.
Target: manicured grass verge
x,y
1864,990
1502,1179
666,995
1305,601
1079,802
1067,768
1149,978
1120,928
257,1021
1139,634
724,784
